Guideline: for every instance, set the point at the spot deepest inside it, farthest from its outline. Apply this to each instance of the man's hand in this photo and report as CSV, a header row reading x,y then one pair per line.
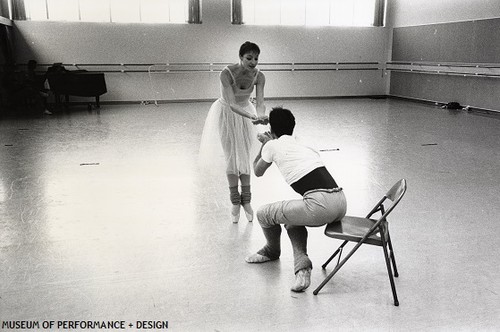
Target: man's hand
x,y
264,137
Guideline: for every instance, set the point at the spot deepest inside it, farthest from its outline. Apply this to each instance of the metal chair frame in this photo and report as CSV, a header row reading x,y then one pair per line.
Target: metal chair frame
x,y
378,227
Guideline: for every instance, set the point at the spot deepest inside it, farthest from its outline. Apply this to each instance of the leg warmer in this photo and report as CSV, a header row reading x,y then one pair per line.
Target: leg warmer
x,y
272,249
246,195
234,195
298,237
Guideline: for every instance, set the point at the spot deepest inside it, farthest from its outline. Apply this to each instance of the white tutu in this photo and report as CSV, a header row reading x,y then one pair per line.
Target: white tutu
x,y
229,140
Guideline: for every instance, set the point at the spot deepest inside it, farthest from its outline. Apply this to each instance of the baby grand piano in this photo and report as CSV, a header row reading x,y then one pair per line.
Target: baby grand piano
x,y
79,83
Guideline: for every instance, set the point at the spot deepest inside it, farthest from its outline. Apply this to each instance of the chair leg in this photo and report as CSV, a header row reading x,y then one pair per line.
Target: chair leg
x,y
339,265
339,249
389,271
396,274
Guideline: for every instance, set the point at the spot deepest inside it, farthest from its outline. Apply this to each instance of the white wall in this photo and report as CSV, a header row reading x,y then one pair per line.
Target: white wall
x,y
216,40
416,12
446,31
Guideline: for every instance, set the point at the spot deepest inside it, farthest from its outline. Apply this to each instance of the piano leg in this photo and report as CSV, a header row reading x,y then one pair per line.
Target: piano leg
x,y
97,102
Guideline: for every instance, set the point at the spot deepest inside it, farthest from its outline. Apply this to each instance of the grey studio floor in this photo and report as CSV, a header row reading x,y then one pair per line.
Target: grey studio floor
x,y
106,216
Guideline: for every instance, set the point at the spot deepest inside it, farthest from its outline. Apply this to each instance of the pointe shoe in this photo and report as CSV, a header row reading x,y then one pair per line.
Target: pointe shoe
x,y
248,211
302,280
235,214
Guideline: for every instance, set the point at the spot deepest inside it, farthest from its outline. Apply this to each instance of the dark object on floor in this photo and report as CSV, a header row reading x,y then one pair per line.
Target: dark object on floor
x,y
453,105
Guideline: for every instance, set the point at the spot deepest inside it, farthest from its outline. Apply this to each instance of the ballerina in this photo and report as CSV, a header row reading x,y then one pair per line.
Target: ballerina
x,y
232,118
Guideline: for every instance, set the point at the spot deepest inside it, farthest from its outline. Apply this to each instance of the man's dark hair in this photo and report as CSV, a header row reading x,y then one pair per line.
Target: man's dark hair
x,y
281,121
249,47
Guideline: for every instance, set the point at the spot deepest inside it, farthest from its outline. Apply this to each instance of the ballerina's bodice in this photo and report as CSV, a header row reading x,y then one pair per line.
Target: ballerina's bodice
x,y
241,96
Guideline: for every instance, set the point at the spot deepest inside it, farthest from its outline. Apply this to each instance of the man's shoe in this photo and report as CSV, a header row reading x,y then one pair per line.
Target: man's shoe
x,y
302,280
257,259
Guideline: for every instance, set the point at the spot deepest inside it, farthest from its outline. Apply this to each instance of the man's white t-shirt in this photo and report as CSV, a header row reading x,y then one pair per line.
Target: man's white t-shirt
x,y
294,160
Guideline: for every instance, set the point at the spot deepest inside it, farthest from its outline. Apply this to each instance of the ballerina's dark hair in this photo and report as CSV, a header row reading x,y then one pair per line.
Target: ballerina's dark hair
x,y
249,47
281,121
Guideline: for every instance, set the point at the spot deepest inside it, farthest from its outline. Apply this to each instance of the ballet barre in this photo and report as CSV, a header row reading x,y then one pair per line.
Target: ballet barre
x,y
483,70
209,67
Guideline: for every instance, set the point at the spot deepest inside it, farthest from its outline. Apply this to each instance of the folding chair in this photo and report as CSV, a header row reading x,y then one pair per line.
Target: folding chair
x,y
367,231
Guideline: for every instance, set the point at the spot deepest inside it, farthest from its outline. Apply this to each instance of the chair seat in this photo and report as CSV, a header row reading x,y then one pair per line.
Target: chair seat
x,y
353,229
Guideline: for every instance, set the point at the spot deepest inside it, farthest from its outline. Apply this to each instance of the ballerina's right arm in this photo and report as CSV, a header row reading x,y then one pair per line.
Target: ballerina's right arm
x,y
226,80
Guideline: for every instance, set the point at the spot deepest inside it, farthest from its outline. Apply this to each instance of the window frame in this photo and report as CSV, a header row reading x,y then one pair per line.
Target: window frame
x,y
192,12
238,15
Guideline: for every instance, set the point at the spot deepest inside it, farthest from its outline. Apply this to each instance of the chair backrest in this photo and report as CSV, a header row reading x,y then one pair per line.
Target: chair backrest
x,y
395,194
397,191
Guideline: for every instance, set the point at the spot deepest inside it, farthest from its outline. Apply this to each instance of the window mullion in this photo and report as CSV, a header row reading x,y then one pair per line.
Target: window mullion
x,y
194,11
236,12
79,12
